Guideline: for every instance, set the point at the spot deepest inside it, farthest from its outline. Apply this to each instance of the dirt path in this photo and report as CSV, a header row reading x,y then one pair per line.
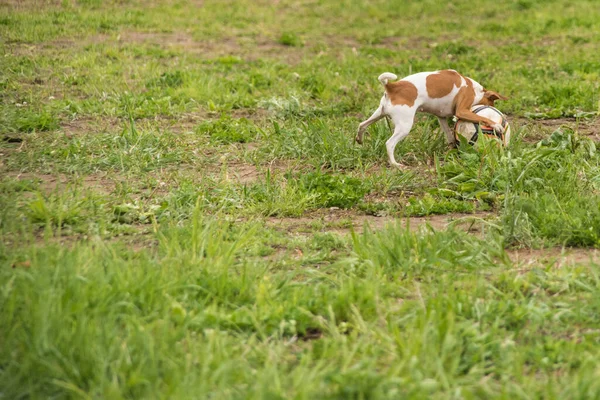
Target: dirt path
x,y
344,221
553,257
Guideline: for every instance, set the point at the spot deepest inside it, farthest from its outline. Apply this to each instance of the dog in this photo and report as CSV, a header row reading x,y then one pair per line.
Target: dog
x,y
444,93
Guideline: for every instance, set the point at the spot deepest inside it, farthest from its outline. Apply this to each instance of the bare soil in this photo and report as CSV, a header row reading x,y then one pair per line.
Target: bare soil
x,y
345,221
543,128
553,257
248,49
51,183
87,125
24,5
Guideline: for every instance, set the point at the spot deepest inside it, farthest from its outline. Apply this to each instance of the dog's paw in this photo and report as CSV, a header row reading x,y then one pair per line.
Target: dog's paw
x,y
359,139
398,165
498,128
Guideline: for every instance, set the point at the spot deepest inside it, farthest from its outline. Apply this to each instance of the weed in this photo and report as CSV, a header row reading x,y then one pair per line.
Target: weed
x,y
25,120
333,190
228,130
428,205
289,39
8,186
168,79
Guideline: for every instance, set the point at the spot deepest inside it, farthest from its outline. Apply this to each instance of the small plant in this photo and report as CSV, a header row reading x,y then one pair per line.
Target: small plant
x,y
334,190
568,140
167,79
228,130
327,242
8,186
314,84
273,196
452,48
289,39
379,209
26,120
428,205
285,107
55,210
129,213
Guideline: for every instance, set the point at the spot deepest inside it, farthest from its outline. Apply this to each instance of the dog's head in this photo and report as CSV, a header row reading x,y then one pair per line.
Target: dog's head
x,y
489,97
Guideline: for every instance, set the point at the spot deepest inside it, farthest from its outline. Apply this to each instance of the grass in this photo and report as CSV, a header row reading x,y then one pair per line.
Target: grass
x,y
184,214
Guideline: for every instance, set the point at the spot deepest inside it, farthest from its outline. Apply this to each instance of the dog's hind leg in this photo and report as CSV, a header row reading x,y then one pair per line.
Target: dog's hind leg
x,y
377,115
403,119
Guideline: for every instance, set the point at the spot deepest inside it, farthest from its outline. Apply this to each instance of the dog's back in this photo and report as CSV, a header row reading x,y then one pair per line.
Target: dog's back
x,y
432,92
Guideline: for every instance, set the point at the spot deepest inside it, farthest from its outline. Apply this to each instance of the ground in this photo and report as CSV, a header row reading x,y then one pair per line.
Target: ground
x,y
184,213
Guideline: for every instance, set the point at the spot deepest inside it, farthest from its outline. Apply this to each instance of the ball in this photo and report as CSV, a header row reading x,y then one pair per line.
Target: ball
x,y
471,130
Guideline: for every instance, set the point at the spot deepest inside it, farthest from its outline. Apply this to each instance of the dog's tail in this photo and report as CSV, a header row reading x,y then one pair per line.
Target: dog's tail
x,y
383,78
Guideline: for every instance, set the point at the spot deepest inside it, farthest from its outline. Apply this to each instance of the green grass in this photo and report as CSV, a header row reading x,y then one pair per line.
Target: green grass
x,y
184,213
190,320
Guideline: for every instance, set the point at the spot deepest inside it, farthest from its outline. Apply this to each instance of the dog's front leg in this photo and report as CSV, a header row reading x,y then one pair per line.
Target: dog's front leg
x,y
469,116
463,110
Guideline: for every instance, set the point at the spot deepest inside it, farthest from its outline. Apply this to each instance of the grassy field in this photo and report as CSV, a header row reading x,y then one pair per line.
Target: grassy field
x,y
184,214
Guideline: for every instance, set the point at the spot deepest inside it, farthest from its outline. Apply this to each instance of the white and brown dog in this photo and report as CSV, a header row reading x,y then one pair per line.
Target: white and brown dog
x,y
441,93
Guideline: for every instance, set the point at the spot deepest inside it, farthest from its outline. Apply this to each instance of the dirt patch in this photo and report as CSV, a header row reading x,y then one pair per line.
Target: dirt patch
x,y
52,183
181,123
245,48
540,129
427,44
88,125
255,114
177,40
269,48
343,222
332,41
25,5
411,43
248,49
243,173
138,238
555,257
588,127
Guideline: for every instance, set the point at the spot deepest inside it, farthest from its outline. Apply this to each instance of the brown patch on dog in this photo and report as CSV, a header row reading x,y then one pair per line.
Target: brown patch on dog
x,y
402,93
485,102
489,97
464,99
462,107
441,83
468,81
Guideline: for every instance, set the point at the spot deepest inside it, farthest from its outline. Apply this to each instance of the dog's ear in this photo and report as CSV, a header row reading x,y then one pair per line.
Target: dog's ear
x,y
493,96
